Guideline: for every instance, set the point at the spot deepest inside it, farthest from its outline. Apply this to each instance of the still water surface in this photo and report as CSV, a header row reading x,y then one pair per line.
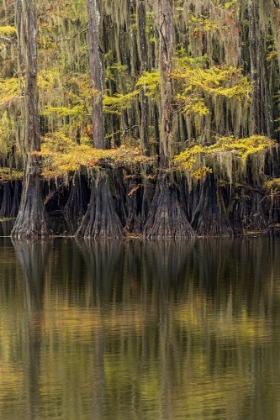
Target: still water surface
x,y
126,330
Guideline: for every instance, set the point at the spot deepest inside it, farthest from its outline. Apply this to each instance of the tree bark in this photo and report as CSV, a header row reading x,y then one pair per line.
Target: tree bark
x,y
166,217
16,198
101,219
166,59
32,219
78,197
96,73
143,54
261,119
7,200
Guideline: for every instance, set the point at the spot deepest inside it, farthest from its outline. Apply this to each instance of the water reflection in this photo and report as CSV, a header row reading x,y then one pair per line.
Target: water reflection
x,y
118,330
103,261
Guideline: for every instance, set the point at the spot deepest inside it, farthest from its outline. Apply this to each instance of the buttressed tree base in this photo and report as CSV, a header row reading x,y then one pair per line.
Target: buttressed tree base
x,y
140,118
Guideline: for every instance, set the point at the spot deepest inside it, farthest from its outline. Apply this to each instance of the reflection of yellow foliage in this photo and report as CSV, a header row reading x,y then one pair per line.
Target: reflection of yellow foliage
x,y
245,328
74,322
197,351
11,380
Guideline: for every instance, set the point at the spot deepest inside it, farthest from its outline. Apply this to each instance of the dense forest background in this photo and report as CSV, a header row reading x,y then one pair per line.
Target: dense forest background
x,y
146,117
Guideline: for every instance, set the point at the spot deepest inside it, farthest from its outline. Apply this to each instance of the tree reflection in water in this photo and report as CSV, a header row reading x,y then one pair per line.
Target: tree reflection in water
x,y
32,257
102,259
148,330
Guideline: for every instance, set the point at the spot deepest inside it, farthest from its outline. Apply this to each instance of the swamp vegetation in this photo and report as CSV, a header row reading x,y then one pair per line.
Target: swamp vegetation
x,y
140,117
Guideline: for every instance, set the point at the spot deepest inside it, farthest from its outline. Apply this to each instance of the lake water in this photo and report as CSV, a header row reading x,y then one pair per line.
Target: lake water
x,y
128,330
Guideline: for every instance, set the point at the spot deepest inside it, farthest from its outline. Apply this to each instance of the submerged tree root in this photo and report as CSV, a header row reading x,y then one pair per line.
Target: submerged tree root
x,y
167,218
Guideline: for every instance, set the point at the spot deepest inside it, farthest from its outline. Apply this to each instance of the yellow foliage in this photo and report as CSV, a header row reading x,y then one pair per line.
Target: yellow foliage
x,y
61,155
224,81
82,87
229,5
193,104
192,159
272,54
64,111
7,30
150,82
272,184
7,174
7,136
9,89
118,101
198,25
49,79
114,70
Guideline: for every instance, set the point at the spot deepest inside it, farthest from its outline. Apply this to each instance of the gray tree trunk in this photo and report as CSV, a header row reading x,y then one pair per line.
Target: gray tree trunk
x,y
32,219
96,72
101,219
166,58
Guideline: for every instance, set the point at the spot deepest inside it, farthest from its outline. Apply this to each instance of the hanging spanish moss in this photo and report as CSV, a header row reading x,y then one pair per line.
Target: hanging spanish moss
x,y
168,110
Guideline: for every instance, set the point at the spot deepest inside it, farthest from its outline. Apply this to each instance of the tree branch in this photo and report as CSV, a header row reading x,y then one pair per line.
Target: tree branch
x,y
8,40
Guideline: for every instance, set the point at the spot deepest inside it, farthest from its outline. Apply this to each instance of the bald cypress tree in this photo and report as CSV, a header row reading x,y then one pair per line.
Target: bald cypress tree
x,y
32,219
101,219
166,217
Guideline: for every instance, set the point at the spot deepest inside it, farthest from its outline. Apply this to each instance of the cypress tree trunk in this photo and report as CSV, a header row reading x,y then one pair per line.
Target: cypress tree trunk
x,y
166,217
211,215
261,120
32,219
139,222
7,200
143,54
101,219
134,209
16,198
78,198
166,65
96,73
